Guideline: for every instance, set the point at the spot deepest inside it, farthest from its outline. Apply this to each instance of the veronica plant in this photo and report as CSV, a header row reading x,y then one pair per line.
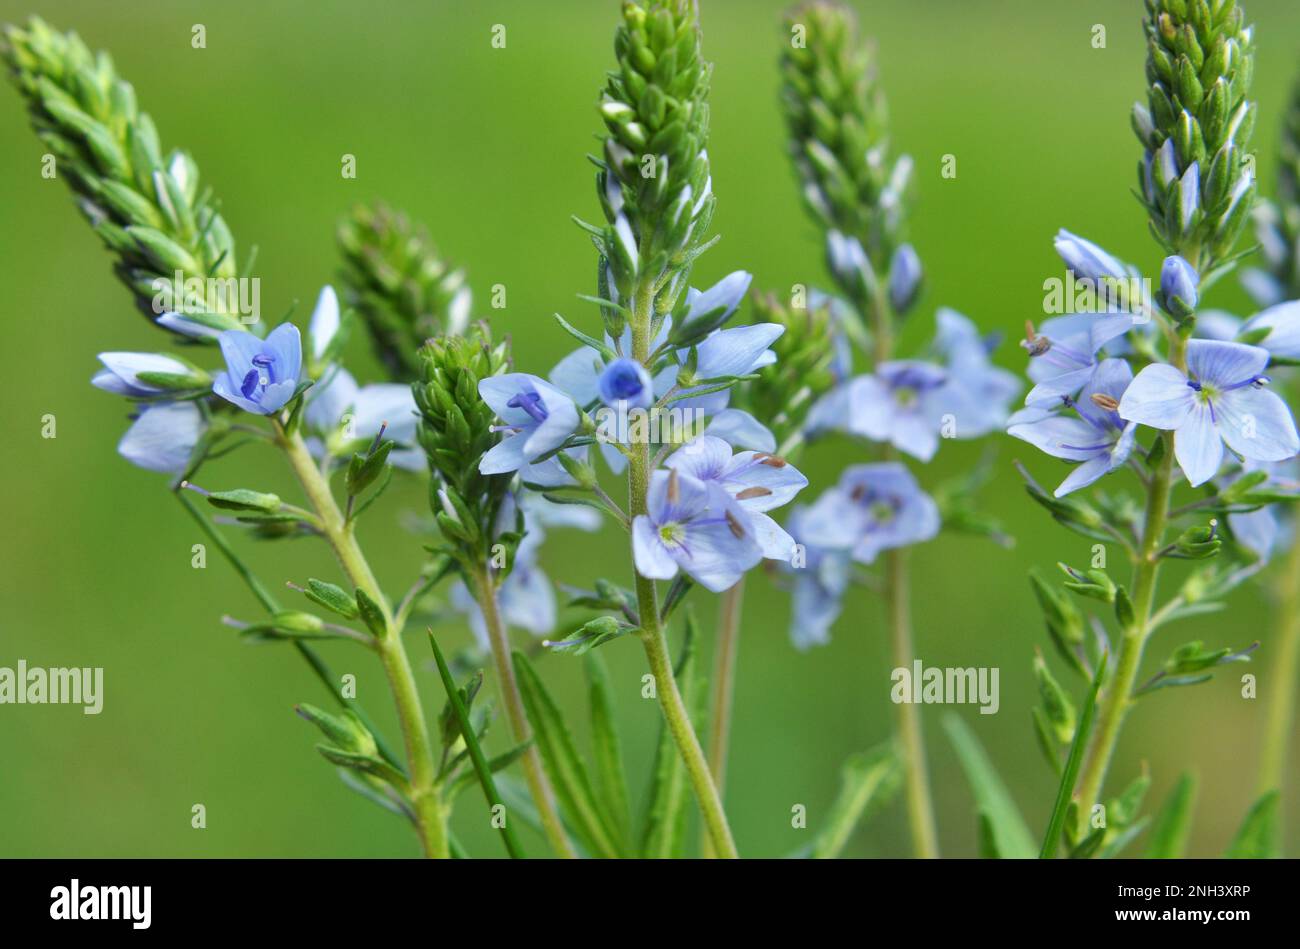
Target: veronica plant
x,y
1130,390
1276,288
855,190
289,391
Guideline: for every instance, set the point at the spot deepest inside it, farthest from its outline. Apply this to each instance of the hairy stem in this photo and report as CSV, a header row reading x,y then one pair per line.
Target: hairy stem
x,y
538,785
724,681
1117,694
1286,669
431,815
652,634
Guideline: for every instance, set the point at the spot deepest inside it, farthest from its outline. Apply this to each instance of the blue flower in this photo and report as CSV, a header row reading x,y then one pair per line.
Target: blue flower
x,y
819,585
759,481
1179,286
694,526
1096,437
737,351
121,373
873,508
538,418
625,381
1280,329
1063,353
1087,260
903,404
261,374
1222,398
725,295
904,278
163,437
978,394
344,413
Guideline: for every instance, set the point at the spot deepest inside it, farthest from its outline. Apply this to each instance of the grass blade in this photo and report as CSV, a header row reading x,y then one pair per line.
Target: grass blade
x,y
611,777
1258,837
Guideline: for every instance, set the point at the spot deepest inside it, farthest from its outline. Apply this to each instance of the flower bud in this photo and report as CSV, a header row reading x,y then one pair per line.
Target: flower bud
x,y
1179,287
626,381
904,279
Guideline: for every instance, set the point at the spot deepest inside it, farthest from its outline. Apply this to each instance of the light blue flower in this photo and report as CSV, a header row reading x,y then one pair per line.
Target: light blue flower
x,y
1095,436
343,413
1280,326
163,437
261,374
1087,260
725,295
1063,353
694,526
185,325
902,404
324,322
1179,286
1221,398
625,382
904,278
819,585
736,351
741,430
538,418
759,481
873,508
978,394
121,373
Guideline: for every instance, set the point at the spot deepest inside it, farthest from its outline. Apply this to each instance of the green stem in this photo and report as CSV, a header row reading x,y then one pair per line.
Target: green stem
x,y
1286,669
534,775
920,809
920,805
431,815
724,680
1117,695
652,634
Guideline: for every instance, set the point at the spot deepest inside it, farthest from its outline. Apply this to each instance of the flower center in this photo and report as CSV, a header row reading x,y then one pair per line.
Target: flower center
x,y
260,376
625,382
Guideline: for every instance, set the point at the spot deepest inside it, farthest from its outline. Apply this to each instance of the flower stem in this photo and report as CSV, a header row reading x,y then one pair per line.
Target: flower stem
x,y
724,680
1286,669
431,814
1117,696
920,808
897,591
538,785
652,634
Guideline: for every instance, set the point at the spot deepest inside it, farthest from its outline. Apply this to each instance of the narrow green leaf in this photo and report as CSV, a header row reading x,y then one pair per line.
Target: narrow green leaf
x,y
994,802
481,766
1072,763
1173,822
868,780
1258,837
611,778
1123,839
564,765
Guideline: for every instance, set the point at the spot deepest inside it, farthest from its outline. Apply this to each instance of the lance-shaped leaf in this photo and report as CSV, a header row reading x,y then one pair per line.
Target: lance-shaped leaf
x,y
1258,838
611,778
1007,834
1173,822
564,765
1061,809
868,781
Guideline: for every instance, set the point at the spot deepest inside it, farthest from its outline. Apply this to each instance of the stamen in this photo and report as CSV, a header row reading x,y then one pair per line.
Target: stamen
x,y
674,487
754,492
530,402
1106,402
194,487
772,461
737,530
1034,344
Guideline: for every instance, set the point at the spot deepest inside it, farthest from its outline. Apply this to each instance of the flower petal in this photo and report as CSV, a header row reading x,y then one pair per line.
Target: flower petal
x,y
1224,364
1257,424
1158,397
1198,445
648,550
324,321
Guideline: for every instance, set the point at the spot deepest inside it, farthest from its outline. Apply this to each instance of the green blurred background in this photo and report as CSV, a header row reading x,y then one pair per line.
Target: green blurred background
x,y
486,146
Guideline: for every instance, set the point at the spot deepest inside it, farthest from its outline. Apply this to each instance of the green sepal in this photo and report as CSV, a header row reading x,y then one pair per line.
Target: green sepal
x,y
371,614
332,597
